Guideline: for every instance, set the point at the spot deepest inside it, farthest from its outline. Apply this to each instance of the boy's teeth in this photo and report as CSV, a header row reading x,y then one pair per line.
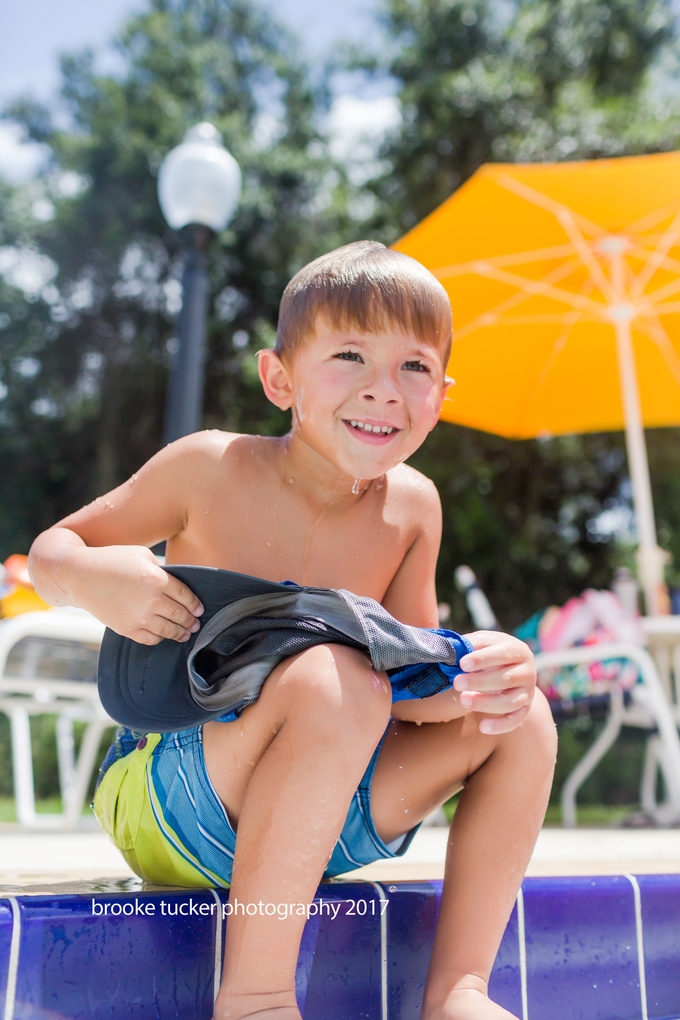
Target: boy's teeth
x,y
385,429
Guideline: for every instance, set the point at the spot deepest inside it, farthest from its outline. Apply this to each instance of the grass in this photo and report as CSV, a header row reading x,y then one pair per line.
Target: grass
x,y
596,816
42,807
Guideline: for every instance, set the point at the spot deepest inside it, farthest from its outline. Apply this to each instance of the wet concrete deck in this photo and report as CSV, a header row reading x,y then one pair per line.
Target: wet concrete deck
x,y
64,860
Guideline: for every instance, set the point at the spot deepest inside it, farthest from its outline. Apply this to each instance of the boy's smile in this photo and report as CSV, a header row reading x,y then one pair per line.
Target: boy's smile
x,y
371,431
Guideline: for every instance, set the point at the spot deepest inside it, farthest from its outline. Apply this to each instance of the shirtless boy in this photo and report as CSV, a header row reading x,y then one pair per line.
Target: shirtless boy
x,y
363,342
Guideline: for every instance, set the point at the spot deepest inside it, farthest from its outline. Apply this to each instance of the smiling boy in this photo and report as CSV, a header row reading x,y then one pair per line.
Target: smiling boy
x,y
321,773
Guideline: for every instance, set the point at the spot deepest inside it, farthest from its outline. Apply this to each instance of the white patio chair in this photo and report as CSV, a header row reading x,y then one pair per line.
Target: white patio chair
x,y
23,693
653,704
648,709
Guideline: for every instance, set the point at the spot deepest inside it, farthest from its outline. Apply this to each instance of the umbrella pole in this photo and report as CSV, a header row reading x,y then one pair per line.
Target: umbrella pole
x,y
650,557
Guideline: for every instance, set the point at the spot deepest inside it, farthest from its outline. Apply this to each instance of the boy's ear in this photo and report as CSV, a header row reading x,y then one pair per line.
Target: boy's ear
x,y
275,379
448,382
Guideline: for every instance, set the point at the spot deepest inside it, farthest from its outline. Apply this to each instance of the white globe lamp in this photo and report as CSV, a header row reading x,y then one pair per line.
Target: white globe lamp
x,y
199,181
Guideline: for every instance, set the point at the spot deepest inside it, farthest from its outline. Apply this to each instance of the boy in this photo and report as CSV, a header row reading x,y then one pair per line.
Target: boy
x,y
320,768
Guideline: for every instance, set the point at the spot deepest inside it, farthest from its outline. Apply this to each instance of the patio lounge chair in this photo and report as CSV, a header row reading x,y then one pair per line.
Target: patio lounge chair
x,y
48,666
651,705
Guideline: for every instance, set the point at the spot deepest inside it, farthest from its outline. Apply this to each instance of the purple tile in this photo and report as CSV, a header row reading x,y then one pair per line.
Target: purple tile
x,y
581,949
79,963
345,976
411,915
660,901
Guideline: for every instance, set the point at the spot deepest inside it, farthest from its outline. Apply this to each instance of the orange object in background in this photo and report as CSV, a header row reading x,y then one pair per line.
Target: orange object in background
x,y
565,284
17,594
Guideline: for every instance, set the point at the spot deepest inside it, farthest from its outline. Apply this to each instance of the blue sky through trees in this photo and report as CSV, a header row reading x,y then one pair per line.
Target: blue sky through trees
x,y
34,32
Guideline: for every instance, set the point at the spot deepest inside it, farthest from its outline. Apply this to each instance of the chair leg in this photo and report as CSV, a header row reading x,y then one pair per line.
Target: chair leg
x,y
589,762
66,758
649,774
22,765
652,696
86,760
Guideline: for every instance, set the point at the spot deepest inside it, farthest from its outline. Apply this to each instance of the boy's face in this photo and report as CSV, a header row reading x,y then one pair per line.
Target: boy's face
x,y
364,401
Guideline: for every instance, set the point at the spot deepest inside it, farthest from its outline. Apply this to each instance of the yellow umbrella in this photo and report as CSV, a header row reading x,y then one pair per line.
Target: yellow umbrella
x,y
565,284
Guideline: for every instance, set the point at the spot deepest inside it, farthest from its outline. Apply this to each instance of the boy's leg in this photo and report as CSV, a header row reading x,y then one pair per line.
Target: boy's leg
x,y
286,772
507,781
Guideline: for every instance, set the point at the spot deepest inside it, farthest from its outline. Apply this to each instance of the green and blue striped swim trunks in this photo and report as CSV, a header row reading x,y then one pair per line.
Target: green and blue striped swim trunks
x,y
155,800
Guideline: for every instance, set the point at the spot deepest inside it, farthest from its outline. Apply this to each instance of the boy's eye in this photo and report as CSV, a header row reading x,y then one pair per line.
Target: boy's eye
x,y
349,356
415,366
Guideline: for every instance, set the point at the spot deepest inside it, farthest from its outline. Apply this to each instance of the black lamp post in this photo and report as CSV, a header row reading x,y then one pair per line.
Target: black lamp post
x,y
198,188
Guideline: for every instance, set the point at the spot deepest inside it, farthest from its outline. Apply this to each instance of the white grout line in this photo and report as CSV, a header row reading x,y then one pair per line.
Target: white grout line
x,y
521,938
218,947
13,966
383,950
639,933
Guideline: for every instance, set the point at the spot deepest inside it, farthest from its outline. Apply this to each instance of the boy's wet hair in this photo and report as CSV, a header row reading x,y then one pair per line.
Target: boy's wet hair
x,y
367,287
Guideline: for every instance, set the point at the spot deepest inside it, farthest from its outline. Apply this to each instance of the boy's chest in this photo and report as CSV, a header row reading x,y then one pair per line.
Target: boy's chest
x,y
272,535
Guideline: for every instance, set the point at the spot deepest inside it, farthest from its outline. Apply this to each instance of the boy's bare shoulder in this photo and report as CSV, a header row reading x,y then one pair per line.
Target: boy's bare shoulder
x,y
414,492
211,446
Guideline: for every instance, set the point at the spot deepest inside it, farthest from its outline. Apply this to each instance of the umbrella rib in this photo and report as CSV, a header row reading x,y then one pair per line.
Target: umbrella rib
x,y
582,249
539,287
530,194
516,259
663,292
660,337
567,220
653,218
658,255
670,309
569,322
543,320
671,264
492,316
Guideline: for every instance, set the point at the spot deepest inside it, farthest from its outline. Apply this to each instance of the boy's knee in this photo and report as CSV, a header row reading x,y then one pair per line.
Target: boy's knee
x,y
541,726
338,681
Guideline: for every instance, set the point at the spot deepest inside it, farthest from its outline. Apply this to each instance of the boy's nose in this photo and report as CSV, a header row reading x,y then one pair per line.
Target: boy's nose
x,y
381,389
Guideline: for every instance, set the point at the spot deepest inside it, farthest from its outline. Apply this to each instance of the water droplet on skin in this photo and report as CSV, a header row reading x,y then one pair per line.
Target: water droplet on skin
x,y
291,481
206,511
401,767
268,543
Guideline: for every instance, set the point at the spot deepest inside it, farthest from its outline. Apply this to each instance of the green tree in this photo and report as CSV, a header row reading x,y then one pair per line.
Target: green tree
x,y
84,348
531,80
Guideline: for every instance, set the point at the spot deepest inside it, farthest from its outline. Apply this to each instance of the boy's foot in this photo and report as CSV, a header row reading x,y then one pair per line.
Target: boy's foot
x,y
257,1007
276,1013
468,1004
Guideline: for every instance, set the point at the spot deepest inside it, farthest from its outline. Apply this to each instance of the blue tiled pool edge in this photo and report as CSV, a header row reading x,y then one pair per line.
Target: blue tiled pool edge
x,y
601,948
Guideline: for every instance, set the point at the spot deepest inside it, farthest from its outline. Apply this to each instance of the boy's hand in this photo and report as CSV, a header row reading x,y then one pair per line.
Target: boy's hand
x,y
127,589
501,680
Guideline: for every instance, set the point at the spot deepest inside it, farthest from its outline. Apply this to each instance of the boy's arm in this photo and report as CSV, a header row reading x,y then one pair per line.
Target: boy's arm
x,y
411,597
98,558
502,674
